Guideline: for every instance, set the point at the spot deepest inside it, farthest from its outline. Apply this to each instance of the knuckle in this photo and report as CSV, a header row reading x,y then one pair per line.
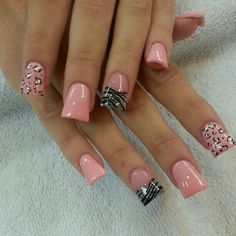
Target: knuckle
x,y
93,6
163,142
139,102
166,5
143,6
122,150
38,35
83,59
48,109
167,77
194,105
67,142
124,53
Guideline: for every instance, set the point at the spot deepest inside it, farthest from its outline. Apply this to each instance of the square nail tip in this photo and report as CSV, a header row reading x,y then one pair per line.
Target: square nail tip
x,y
148,193
92,182
157,65
191,194
75,117
156,197
224,151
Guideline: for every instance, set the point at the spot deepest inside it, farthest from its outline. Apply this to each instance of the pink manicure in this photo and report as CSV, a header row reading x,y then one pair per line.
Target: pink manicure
x,y
217,139
140,177
115,93
157,57
188,179
196,15
147,188
77,103
33,82
118,82
91,169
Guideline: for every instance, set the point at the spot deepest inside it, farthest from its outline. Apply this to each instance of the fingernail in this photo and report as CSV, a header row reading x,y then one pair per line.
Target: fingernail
x,y
146,187
32,83
188,179
196,15
157,57
91,169
77,103
217,139
115,93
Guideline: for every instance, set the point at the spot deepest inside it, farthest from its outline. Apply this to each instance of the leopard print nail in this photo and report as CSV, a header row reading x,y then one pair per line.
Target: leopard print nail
x,y
217,139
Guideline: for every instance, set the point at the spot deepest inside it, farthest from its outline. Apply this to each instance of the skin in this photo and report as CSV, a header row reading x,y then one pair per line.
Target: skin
x,y
89,28
142,116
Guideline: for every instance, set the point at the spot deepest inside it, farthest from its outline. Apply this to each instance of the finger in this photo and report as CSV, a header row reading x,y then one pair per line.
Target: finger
x,y
121,156
192,111
89,31
185,25
42,41
159,42
169,150
132,21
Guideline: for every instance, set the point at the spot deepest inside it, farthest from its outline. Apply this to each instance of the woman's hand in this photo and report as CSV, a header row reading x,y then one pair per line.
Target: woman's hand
x,y
142,116
139,25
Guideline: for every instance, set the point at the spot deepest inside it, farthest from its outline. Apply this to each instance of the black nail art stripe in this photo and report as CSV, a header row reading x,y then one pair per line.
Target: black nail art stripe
x,y
114,99
148,193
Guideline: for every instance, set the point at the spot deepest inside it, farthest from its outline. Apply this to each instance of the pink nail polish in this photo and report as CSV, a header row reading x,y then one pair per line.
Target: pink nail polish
x,y
77,103
115,93
196,15
146,187
157,57
32,83
91,169
188,179
217,139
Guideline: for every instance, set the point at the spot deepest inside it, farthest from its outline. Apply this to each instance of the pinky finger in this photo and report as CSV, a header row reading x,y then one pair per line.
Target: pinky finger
x,y
71,141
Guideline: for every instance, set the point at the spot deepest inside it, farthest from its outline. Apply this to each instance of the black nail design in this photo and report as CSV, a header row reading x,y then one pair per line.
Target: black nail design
x,y
114,99
148,193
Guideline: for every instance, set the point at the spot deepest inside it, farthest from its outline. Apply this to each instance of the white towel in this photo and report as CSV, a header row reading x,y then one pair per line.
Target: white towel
x,y
41,194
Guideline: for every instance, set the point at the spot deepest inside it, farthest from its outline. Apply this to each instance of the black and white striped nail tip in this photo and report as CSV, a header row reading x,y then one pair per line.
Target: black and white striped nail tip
x,y
113,99
151,191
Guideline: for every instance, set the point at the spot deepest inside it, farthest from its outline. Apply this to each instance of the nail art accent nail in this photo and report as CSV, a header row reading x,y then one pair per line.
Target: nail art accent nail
x,y
77,103
157,57
92,170
217,139
115,93
147,188
32,83
188,179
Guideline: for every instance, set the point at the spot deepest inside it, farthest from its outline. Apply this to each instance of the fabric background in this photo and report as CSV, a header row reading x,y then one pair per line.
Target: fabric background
x,y
41,194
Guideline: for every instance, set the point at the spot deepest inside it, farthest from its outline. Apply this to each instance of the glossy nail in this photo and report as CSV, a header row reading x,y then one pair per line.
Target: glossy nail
x,y
91,169
196,15
33,80
115,93
77,103
146,187
217,139
157,57
188,179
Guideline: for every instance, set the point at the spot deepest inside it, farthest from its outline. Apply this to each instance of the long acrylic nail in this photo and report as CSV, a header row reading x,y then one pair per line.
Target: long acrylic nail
x,y
157,57
92,170
115,93
188,179
33,80
196,15
77,103
146,187
217,139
